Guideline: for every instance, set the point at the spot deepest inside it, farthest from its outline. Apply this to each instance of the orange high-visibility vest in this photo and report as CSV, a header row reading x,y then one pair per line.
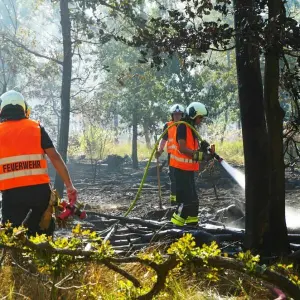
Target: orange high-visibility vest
x,y
182,161
22,158
171,146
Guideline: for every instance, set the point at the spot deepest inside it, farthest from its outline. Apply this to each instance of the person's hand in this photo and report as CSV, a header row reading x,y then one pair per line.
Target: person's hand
x,y
72,194
204,145
197,155
158,153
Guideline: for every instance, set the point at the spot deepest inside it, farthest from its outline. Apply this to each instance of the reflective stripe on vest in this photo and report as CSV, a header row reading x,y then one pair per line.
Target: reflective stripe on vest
x,y
22,159
23,173
12,159
22,165
182,161
172,147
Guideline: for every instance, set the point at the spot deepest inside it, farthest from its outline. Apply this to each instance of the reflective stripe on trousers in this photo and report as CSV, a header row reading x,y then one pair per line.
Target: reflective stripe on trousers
x,y
177,220
190,220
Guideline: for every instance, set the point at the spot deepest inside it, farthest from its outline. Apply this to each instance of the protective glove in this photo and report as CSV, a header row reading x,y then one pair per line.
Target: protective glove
x,y
72,194
158,153
209,155
204,145
197,155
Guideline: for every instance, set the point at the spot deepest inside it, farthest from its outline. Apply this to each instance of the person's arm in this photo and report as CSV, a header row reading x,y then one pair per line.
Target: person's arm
x,y
62,171
59,166
162,143
184,149
58,163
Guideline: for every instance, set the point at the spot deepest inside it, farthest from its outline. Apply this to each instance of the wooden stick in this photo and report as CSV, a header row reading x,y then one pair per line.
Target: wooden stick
x,y
158,180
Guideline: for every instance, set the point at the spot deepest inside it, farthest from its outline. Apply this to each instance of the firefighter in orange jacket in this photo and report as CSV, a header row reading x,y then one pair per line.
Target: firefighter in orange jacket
x,y
177,112
24,179
185,161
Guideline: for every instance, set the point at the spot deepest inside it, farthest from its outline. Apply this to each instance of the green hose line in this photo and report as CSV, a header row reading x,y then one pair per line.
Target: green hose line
x,y
132,205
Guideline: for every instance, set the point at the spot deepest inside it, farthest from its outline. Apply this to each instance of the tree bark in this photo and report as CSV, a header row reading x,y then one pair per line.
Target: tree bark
x,y
254,129
225,123
183,90
116,129
65,89
135,163
274,116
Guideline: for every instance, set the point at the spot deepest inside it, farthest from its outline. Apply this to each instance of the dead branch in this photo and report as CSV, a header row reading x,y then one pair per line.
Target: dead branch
x,y
111,232
20,45
150,224
125,274
161,270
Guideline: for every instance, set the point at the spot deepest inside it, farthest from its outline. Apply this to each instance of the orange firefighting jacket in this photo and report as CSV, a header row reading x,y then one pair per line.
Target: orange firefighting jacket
x,y
182,161
22,159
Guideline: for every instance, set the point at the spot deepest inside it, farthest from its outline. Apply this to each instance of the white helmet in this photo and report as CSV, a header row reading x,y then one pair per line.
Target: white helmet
x,y
14,98
177,108
196,109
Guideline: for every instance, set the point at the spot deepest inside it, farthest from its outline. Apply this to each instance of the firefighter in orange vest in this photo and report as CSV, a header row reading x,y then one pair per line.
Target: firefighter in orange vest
x,y
185,161
177,112
24,179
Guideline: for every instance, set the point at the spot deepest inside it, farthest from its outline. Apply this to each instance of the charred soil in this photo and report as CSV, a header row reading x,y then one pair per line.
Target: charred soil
x,y
220,198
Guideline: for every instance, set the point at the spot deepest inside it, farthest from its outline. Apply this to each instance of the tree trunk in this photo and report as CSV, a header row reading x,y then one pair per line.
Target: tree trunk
x,y
65,89
147,135
116,129
274,115
4,88
183,90
135,163
253,128
225,123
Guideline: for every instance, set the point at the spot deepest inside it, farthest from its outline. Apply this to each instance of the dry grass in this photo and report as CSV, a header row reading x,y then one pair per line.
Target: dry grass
x,y
98,282
231,151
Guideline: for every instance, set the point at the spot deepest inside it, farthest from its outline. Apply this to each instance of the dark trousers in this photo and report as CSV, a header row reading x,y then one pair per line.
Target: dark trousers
x,y
171,174
186,195
17,202
172,180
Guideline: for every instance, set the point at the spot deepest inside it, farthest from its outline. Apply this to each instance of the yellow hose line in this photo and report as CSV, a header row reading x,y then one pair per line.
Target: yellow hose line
x,y
132,205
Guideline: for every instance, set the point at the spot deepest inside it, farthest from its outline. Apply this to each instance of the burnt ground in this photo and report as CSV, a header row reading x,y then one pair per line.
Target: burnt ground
x,y
113,191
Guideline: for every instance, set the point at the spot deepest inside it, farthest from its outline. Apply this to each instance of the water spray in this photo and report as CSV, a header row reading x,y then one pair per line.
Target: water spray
x,y
237,175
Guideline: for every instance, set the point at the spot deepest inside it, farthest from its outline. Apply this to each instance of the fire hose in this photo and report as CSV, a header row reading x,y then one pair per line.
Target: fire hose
x,y
238,176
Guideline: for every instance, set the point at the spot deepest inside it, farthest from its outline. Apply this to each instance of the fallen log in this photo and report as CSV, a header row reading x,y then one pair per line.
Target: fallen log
x,y
147,223
130,248
126,236
137,230
126,242
294,238
295,247
200,236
